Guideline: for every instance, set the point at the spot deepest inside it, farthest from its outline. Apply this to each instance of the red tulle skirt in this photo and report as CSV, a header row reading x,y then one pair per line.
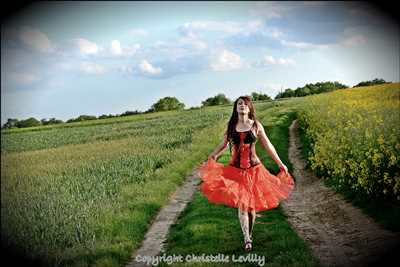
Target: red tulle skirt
x,y
249,189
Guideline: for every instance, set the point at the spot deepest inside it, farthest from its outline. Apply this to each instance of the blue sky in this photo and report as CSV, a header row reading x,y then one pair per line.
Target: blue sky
x,y
65,59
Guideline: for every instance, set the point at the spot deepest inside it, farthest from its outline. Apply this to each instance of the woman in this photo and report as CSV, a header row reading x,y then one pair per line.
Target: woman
x,y
245,183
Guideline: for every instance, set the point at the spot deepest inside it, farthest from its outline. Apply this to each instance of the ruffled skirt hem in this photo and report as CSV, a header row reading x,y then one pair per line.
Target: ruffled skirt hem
x,y
249,189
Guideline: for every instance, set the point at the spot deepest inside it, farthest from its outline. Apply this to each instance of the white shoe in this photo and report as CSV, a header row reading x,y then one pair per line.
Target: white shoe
x,y
248,246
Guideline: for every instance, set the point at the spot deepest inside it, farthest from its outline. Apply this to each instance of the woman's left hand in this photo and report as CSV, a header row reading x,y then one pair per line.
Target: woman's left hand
x,y
283,167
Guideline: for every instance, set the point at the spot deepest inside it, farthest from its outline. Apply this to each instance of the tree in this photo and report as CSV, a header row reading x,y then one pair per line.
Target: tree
x,y
128,112
167,103
373,82
196,107
51,121
31,122
259,96
304,91
105,116
82,118
11,123
310,89
287,93
219,99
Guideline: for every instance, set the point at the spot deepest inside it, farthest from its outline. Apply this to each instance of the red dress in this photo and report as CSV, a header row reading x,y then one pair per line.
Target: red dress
x,y
245,183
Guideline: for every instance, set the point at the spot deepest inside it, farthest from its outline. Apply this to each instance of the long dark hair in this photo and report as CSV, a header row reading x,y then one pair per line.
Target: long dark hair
x,y
235,117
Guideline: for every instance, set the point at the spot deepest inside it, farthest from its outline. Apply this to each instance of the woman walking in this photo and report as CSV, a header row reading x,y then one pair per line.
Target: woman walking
x,y
245,183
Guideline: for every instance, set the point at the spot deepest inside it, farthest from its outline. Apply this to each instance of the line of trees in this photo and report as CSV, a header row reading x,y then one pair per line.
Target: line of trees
x,y
172,103
163,104
166,103
219,99
311,89
323,87
259,96
375,81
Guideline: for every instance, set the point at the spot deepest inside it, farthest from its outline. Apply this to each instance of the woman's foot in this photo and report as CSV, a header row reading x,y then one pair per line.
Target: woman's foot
x,y
248,246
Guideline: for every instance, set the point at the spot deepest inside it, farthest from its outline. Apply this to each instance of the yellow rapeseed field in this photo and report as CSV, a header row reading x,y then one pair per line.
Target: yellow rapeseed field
x,y
355,135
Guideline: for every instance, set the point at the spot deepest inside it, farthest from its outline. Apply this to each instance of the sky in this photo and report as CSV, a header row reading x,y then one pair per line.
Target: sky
x,y
65,59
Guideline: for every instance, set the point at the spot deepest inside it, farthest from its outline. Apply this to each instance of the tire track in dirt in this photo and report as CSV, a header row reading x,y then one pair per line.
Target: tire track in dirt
x,y
338,233
154,242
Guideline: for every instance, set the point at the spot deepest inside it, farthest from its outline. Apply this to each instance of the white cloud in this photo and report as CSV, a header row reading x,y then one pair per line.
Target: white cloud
x,y
191,28
36,39
172,50
116,48
270,60
193,42
147,68
304,45
23,78
129,50
351,38
195,28
92,68
296,44
86,46
226,61
198,44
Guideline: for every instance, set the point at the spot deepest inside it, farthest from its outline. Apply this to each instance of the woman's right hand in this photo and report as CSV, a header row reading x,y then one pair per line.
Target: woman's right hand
x,y
282,167
213,157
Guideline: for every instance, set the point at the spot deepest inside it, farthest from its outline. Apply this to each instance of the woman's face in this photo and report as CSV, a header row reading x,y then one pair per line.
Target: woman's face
x,y
242,107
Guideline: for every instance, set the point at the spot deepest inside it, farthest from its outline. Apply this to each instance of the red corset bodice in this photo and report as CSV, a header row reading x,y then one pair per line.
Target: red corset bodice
x,y
244,150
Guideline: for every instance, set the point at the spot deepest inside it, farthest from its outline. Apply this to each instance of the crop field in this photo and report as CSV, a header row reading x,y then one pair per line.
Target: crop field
x,y
63,188
356,137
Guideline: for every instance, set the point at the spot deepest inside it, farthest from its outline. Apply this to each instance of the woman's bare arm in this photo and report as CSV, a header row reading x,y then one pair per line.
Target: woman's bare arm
x,y
268,145
221,148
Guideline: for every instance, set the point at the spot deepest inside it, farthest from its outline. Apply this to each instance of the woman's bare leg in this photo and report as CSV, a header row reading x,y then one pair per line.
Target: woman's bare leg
x,y
252,220
244,223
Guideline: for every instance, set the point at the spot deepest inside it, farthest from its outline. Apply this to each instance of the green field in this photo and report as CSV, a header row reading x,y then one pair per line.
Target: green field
x,y
79,195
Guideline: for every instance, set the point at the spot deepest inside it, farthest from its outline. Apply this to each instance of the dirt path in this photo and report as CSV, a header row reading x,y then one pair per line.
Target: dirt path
x,y
338,233
153,243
